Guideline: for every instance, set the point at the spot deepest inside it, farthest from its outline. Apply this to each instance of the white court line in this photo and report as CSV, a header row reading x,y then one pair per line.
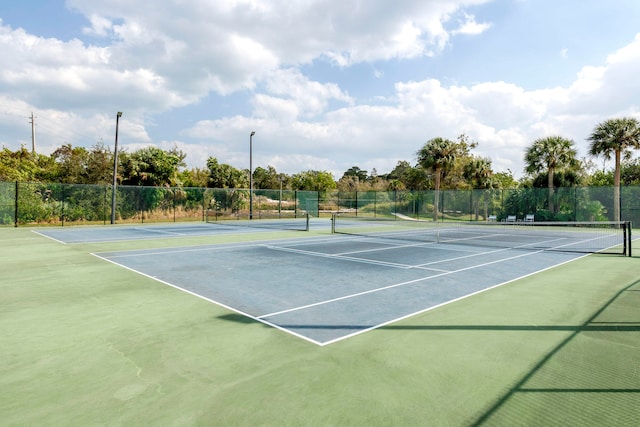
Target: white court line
x,y
153,234
466,256
389,247
48,237
147,252
200,248
410,282
159,231
258,243
347,258
313,240
266,322
500,250
426,244
388,322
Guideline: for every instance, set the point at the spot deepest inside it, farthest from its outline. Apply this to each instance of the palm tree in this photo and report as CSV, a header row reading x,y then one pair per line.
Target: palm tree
x,y
615,137
478,171
552,153
437,155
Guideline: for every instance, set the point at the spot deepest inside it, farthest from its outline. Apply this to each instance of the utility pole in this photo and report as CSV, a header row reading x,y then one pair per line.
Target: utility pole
x,y
33,133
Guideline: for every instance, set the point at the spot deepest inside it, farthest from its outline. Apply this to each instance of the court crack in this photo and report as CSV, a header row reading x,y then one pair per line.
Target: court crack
x,y
112,346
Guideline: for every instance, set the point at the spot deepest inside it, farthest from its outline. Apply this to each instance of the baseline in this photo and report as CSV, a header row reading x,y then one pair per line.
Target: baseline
x,y
325,296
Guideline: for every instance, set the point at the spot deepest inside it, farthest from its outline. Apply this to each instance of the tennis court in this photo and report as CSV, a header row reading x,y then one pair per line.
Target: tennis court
x,y
96,332
331,288
73,235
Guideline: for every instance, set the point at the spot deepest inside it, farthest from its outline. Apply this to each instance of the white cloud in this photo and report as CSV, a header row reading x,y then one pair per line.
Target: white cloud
x,y
311,98
100,26
503,117
278,109
589,80
174,54
471,27
148,59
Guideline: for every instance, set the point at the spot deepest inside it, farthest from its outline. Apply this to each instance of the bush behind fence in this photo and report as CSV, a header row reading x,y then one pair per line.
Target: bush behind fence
x,y
66,204
570,204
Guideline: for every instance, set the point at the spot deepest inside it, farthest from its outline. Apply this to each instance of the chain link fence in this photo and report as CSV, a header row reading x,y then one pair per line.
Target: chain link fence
x,y
567,204
24,203
65,204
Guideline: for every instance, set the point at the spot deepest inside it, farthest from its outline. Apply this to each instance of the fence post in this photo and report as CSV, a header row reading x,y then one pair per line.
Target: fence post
x,y
472,209
375,204
15,216
357,203
104,205
62,208
620,206
395,203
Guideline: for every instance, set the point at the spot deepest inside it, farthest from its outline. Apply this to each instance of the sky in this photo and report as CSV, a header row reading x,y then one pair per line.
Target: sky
x,y
325,84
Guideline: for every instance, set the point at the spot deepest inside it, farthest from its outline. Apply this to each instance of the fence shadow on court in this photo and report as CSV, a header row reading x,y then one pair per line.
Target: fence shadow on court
x,y
526,392
590,325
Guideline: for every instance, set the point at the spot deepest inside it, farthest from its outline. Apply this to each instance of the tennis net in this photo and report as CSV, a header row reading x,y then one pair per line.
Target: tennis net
x,y
581,237
298,221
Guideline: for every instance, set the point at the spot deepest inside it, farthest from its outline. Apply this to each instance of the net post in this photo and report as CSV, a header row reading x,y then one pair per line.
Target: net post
x,y
307,222
628,237
333,222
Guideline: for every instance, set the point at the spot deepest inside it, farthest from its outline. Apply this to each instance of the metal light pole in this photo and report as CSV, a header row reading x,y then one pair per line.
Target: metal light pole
x,y
251,174
115,172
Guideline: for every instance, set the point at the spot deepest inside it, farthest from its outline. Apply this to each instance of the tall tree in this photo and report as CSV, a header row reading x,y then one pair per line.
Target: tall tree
x,y
630,172
355,171
151,166
23,165
225,176
348,183
437,156
353,179
72,163
550,154
100,164
194,178
266,179
505,179
404,176
313,180
479,174
20,165
454,178
615,137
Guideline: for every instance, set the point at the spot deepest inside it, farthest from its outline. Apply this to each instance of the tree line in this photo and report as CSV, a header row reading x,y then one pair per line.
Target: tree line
x,y
441,163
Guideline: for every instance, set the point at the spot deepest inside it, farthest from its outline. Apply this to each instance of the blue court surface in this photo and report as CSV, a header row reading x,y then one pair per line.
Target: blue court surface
x,y
74,235
327,288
